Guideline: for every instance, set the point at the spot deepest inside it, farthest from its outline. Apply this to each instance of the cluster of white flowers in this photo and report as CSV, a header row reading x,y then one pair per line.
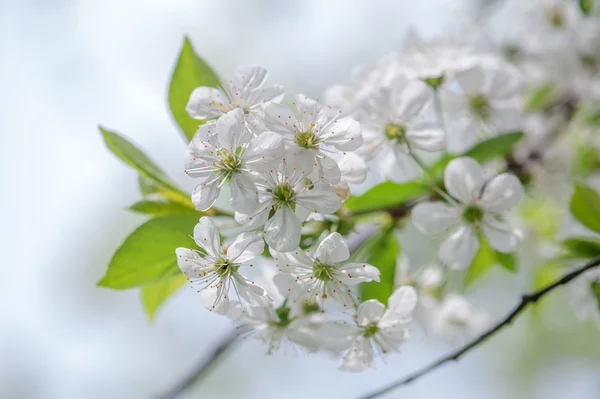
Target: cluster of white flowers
x,y
290,168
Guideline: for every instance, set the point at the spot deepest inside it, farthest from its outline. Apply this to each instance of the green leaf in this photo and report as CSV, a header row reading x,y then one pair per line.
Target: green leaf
x,y
507,261
190,72
158,208
540,97
386,195
135,158
586,6
595,287
148,255
582,247
585,206
154,295
487,257
498,146
382,252
484,259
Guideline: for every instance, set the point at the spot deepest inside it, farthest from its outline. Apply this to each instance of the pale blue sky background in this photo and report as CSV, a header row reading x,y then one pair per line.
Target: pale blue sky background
x,y
66,66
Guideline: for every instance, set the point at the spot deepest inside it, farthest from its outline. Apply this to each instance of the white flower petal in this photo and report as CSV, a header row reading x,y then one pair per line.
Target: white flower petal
x,y
246,246
307,110
402,167
293,261
206,102
402,303
464,179
207,237
501,235
205,195
280,119
321,198
344,134
216,299
434,217
354,273
328,169
333,249
264,152
256,218
231,130
471,80
458,250
248,291
273,93
282,231
408,102
337,336
505,118
244,196
352,166
462,134
247,78
426,138
190,262
502,193
369,312
359,358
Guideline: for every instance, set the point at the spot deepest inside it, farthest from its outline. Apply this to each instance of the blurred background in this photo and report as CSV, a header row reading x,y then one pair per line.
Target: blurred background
x,y
68,65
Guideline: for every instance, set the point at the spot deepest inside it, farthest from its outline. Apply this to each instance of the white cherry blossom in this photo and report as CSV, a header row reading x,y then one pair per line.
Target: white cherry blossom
x,y
317,128
452,317
325,272
287,195
283,324
376,330
399,120
481,102
244,91
477,206
227,151
215,268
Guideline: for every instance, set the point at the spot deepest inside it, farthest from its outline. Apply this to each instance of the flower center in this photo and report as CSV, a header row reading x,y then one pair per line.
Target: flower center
x,y
283,313
224,267
434,82
480,105
322,272
472,214
230,163
556,18
284,195
307,140
395,131
371,329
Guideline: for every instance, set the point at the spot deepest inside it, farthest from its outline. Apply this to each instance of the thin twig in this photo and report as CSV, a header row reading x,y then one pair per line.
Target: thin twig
x,y
526,300
207,363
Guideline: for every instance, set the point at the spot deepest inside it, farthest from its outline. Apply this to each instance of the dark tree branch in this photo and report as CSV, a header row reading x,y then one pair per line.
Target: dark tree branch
x,y
526,300
207,363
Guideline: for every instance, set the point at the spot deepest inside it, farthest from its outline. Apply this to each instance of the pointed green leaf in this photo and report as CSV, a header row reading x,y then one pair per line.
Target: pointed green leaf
x,y
507,261
540,97
386,195
498,146
158,208
148,255
582,247
585,206
190,72
483,261
382,252
135,158
586,6
154,295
